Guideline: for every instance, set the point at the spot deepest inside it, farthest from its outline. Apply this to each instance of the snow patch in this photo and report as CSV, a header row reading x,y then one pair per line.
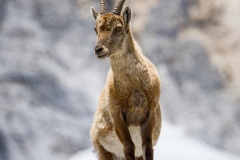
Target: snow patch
x,y
175,144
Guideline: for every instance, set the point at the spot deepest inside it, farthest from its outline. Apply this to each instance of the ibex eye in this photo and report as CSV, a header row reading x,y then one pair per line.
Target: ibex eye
x,y
118,29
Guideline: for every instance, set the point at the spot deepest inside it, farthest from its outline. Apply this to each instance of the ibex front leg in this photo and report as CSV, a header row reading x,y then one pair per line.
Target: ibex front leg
x,y
123,133
146,134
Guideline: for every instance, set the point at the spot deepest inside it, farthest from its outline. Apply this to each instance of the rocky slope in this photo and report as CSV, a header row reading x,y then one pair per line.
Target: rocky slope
x,y
50,79
203,78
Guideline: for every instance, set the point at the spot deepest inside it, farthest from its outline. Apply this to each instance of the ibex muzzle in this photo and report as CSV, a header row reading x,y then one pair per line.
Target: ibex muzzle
x,y
101,51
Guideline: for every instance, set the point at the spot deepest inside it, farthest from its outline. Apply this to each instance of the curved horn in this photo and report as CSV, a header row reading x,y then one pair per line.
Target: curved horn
x,y
118,8
102,7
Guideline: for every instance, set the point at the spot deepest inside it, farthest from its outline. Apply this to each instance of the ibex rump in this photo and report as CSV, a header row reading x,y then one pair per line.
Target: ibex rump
x,y
128,118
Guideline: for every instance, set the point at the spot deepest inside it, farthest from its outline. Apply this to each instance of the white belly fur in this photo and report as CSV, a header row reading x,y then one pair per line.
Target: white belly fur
x,y
112,144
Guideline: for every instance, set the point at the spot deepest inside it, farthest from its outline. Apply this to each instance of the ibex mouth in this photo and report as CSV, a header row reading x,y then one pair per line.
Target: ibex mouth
x,y
103,55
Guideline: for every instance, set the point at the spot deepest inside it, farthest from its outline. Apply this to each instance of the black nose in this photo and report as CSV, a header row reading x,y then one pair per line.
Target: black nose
x,y
98,49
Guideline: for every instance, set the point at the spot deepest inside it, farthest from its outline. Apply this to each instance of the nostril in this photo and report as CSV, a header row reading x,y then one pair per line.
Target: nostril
x,y
98,49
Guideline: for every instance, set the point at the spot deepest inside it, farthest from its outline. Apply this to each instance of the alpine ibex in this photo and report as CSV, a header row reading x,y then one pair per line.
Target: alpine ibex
x,y
128,118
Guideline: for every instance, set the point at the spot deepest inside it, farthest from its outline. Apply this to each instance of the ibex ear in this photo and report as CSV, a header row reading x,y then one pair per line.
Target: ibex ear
x,y
94,13
127,15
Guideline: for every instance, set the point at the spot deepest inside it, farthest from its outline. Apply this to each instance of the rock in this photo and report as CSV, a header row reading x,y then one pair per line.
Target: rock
x,y
45,109
199,99
2,11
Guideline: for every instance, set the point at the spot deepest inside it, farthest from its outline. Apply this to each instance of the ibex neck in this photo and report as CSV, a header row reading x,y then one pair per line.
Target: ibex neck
x,y
130,64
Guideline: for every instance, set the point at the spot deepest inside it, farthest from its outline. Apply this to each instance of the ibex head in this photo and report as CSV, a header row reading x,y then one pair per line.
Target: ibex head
x,y
112,29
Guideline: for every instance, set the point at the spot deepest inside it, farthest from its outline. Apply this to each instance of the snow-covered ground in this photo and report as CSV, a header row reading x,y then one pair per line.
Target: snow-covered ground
x,y
175,144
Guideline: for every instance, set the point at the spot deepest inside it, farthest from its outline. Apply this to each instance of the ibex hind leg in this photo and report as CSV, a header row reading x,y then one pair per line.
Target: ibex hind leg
x,y
102,153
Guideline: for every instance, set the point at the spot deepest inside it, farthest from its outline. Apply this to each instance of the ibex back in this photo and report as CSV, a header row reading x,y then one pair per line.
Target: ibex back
x,y
128,118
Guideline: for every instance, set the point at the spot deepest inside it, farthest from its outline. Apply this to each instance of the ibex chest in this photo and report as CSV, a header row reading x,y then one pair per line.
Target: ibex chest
x,y
136,108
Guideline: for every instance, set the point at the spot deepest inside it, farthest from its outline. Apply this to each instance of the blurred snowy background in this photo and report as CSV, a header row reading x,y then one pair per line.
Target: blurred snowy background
x,y
50,79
